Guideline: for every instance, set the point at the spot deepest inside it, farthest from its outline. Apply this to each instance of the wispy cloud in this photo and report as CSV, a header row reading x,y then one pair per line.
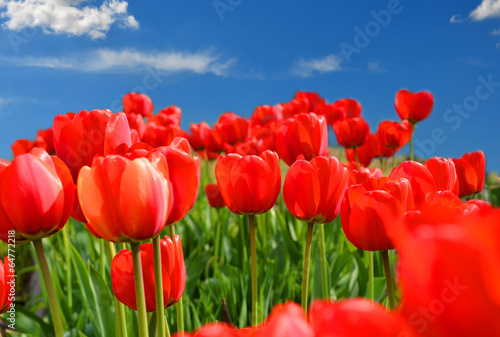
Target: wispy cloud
x,y
496,32
486,10
66,16
131,60
376,68
308,67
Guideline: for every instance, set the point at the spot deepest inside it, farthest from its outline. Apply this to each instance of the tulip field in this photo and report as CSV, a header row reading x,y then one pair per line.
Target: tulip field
x,y
124,224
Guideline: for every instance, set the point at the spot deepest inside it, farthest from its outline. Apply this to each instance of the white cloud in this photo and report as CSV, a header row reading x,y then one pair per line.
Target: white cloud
x,y
486,10
498,45
496,32
376,68
131,60
307,67
66,16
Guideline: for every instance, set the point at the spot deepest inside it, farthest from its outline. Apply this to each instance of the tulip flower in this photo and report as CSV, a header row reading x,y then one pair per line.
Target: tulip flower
x,y
265,114
368,213
214,196
444,173
198,136
420,178
365,153
350,107
351,132
470,170
124,200
173,274
36,196
363,174
354,317
137,103
136,122
158,135
286,320
313,192
249,185
7,284
455,267
413,107
394,135
232,128
167,116
304,134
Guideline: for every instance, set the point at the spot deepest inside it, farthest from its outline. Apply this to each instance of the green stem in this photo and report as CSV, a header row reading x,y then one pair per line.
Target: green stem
x,y
393,159
356,157
388,278
178,306
322,257
307,260
371,285
160,311
139,289
413,127
49,287
67,257
119,308
102,257
217,241
253,253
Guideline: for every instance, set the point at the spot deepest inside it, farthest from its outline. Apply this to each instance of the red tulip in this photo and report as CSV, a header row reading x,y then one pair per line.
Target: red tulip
x,y
124,200
470,172
137,103
369,211
265,114
214,196
162,135
216,330
455,267
444,173
421,180
232,128
351,132
304,134
366,152
167,116
314,190
22,146
173,274
331,112
249,184
136,122
7,284
394,135
356,317
350,107
183,175
198,136
78,138
414,107
286,320
214,141
36,196
363,174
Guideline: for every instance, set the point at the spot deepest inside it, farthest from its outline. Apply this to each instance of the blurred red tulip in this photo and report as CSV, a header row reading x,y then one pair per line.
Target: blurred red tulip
x,y
36,196
7,284
216,330
363,174
173,274
249,184
137,103
265,114
136,122
366,152
232,128
350,107
162,135
286,320
124,200
331,112
304,134
214,141
314,190
471,171
351,132
167,116
394,135
78,138
420,178
455,267
356,317
44,139
22,146
198,136
214,197
414,107
369,211
183,174
444,173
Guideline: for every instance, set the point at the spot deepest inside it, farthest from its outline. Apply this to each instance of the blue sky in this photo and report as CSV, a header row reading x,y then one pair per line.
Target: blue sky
x,y
209,57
